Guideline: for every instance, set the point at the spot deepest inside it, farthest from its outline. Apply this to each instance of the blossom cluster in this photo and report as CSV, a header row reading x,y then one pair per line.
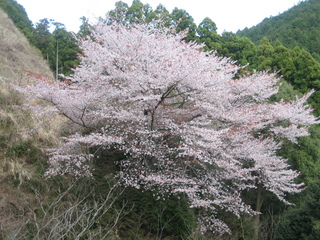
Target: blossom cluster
x,y
184,120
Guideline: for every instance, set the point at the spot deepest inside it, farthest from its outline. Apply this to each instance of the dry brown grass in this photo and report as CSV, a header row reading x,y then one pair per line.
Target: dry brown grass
x,y
16,54
23,134
32,207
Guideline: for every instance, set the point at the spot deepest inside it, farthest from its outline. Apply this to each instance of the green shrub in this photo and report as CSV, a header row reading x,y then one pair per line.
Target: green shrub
x,y
24,149
169,216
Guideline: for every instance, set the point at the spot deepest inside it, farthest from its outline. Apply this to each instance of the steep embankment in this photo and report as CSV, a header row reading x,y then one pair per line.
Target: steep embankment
x,y
16,54
20,154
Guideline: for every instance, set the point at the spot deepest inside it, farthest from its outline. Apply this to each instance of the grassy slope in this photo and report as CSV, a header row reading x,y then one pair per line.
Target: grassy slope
x,y
16,54
32,207
19,154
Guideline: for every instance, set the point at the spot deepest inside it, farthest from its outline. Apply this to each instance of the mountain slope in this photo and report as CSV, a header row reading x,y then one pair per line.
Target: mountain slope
x,y
16,54
19,16
299,26
20,149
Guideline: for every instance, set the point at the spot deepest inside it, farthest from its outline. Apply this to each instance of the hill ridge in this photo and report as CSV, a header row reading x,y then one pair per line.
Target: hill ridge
x,y
298,26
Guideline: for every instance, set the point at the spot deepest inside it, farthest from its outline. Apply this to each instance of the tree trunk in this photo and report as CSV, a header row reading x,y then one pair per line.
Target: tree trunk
x,y
256,224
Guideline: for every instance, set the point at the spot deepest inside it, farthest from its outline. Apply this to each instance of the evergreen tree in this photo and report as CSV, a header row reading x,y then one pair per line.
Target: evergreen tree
x,y
43,37
283,61
307,74
265,51
160,12
240,49
85,28
207,32
299,26
119,13
183,21
135,12
65,43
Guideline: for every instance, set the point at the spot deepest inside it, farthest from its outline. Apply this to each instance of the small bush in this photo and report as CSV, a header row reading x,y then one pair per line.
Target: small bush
x,y
168,217
24,149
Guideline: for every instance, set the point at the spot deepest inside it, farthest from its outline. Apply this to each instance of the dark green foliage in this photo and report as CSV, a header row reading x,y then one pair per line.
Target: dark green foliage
x,y
183,21
240,49
297,67
121,8
147,213
59,41
305,156
136,11
286,92
284,61
299,26
24,149
85,29
207,32
43,37
156,216
264,55
3,141
19,149
292,48
139,12
303,222
159,12
64,42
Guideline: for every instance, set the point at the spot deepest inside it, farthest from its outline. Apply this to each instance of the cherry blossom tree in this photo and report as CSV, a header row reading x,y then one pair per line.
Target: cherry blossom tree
x,y
184,120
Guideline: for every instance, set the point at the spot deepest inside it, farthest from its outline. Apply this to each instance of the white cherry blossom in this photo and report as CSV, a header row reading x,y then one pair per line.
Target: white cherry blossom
x,y
185,122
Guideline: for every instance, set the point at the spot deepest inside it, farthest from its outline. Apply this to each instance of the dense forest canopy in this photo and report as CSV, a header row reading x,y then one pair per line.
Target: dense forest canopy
x,y
287,44
299,26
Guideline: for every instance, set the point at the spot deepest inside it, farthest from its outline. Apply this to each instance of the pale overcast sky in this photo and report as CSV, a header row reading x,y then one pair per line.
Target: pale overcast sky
x,y
229,15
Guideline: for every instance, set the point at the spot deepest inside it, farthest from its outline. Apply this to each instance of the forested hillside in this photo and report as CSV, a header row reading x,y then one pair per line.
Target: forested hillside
x,y
299,26
144,174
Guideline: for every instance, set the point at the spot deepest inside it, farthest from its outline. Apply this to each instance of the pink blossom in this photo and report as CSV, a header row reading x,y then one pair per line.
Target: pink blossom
x,y
184,124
